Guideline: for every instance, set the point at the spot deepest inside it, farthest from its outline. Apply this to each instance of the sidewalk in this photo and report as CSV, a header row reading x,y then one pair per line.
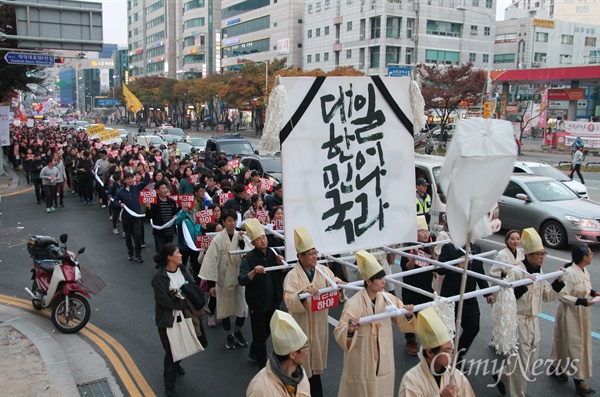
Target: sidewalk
x,y
39,361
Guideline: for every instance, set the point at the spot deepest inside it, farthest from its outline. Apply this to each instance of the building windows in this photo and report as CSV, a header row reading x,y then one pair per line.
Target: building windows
x,y
327,2
565,59
317,57
504,58
541,36
325,56
361,58
318,7
251,47
392,55
474,30
410,23
309,33
489,3
155,37
309,9
441,28
375,27
309,58
487,30
486,58
475,3
566,39
156,51
590,42
194,58
155,67
363,29
190,5
317,32
191,23
472,57
253,25
326,31
155,22
348,54
374,53
349,26
155,6
194,40
442,57
408,57
392,27
243,7
539,57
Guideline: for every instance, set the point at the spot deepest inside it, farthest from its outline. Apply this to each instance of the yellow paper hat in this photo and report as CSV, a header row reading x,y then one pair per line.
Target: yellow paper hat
x,y
430,329
531,241
422,223
254,229
286,333
303,240
367,264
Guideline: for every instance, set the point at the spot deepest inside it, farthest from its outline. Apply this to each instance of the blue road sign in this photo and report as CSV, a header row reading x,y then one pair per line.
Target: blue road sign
x,y
18,58
399,71
108,102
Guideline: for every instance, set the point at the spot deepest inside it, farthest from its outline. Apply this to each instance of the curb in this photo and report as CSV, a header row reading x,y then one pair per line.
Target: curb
x,y
55,361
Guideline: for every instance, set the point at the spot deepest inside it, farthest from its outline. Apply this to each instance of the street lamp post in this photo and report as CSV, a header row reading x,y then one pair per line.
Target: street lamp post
x,y
488,92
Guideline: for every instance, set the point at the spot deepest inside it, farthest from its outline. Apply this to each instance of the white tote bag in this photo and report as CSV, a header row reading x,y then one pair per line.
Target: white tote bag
x,y
182,337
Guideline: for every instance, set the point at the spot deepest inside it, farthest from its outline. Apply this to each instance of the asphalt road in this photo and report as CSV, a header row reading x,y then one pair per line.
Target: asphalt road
x,y
125,308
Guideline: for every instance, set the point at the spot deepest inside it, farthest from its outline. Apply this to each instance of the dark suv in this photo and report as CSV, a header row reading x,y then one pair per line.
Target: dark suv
x,y
230,144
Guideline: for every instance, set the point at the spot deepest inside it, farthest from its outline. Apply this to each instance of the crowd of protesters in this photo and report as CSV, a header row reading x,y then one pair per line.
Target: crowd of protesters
x,y
188,202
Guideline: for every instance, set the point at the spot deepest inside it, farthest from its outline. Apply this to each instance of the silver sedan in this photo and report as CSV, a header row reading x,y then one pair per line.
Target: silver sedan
x,y
560,216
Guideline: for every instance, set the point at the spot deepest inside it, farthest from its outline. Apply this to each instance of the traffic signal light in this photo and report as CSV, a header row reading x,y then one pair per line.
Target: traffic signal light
x,y
59,60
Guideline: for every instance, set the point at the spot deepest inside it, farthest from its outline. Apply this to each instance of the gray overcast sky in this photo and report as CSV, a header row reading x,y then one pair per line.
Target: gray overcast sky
x,y
114,19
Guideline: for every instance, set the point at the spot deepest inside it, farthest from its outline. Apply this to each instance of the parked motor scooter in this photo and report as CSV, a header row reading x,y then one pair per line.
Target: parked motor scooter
x,y
56,283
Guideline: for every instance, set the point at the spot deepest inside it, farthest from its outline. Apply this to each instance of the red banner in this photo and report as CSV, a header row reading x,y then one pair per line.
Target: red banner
x,y
203,241
148,197
186,200
325,301
266,184
277,224
193,178
204,217
114,154
233,164
223,197
262,216
566,94
251,189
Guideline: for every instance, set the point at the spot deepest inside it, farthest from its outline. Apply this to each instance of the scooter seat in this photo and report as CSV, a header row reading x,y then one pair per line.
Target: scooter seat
x,y
48,266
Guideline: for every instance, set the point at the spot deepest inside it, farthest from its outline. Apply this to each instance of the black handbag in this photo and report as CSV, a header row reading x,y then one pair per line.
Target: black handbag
x,y
194,293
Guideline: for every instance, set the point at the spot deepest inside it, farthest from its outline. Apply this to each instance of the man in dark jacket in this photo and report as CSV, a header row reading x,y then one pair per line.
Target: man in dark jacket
x,y
274,199
162,212
36,168
451,286
239,202
128,198
264,290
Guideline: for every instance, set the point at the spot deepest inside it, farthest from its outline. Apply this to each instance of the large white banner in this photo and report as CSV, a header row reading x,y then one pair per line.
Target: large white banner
x,y
348,162
4,126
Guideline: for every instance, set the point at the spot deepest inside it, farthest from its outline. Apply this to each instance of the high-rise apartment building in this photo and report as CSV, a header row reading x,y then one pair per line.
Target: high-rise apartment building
x,y
373,35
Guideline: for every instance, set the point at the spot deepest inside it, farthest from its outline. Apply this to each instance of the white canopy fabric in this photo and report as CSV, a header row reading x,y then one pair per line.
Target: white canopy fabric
x,y
476,171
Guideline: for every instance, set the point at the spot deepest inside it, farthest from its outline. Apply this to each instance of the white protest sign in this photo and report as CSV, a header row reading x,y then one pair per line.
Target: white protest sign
x,y
347,144
4,126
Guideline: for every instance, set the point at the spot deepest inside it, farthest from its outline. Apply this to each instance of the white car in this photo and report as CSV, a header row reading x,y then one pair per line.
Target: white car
x,y
545,169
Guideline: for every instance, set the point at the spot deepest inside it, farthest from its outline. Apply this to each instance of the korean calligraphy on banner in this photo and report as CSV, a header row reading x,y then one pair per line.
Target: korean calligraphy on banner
x,y
184,200
251,190
266,184
203,241
351,158
262,216
148,196
204,217
223,197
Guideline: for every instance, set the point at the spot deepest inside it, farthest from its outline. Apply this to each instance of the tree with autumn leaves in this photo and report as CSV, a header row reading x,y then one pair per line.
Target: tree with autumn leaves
x,y
446,88
243,89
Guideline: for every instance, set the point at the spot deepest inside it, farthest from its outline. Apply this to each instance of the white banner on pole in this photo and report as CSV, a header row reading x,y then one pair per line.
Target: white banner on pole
x,y
4,126
348,162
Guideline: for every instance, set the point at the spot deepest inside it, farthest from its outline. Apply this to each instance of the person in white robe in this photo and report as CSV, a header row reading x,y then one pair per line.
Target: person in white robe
x,y
432,375
572,347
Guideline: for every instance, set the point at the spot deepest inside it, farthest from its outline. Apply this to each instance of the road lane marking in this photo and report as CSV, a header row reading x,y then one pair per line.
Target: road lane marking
x,y
595,335
27,189
107,345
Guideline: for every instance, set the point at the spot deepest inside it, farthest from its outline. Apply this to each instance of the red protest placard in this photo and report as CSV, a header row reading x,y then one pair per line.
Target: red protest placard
x,y
266,184
251,189
148,197
204,217
158,159
113,153
193,178
203,241
127,147
262,216
185,200
277,224
98,145
29,157
223,197
141,158
325,301
233,164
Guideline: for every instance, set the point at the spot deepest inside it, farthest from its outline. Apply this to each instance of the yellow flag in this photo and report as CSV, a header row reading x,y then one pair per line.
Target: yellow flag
x,y
131,102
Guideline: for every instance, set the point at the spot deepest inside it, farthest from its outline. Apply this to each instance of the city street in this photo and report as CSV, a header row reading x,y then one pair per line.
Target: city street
x,y
125,308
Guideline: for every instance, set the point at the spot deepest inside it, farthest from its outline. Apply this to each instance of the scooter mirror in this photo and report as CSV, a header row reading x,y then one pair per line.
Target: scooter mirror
x,y
64,238
81,250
